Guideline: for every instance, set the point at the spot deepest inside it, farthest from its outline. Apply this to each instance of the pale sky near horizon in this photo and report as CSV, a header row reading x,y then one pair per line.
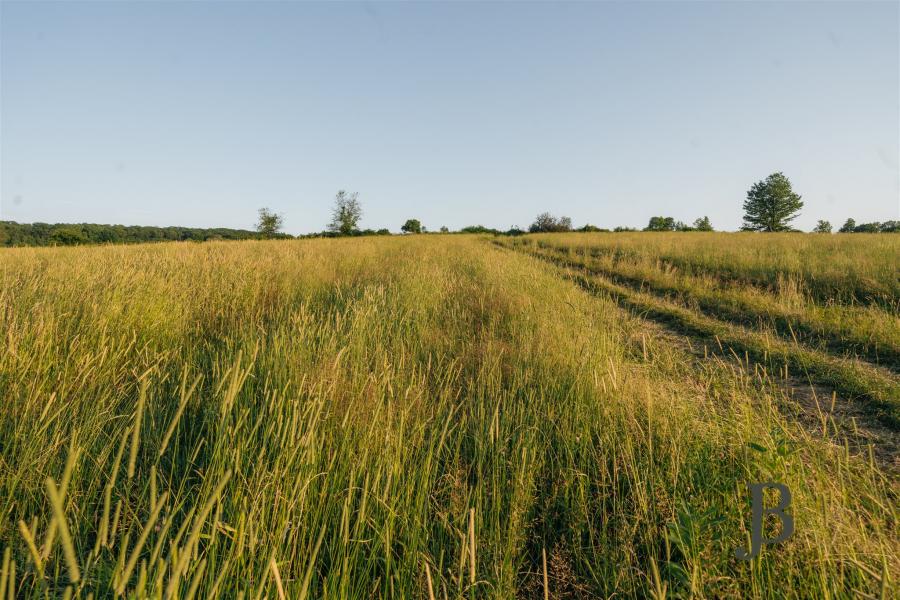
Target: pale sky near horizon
x,y
199,113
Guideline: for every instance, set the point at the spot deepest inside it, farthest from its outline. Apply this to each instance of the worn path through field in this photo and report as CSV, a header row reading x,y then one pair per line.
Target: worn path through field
x,y
864,424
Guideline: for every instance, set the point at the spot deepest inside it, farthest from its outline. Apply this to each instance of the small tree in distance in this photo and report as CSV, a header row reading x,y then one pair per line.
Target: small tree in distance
x,y
346,213
771,205
822,227
660,224
848,227
546,223
269,223
412,226
703,224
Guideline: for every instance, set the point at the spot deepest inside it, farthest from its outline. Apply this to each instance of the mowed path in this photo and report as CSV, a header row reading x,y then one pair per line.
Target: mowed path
x,y
850,401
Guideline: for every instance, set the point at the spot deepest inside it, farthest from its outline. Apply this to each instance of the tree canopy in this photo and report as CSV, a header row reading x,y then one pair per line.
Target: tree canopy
x,y
546,223
703,224
660,224
412,226
346,213
771,205
269,223
875,227
822,227
71,234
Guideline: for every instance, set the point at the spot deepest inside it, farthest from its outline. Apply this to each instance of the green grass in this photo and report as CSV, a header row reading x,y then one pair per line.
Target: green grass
x,y
829,269
855,380
387,418
868,332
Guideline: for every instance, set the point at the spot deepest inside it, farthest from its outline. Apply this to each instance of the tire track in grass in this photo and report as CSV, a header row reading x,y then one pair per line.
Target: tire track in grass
x,y
852,379
739,312
823,292
815,407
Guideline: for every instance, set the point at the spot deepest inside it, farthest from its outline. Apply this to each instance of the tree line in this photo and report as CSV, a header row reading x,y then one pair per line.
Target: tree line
x,y
771,205
73,234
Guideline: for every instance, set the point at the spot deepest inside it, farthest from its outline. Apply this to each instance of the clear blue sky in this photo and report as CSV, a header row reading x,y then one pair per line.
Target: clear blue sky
x,y
197,114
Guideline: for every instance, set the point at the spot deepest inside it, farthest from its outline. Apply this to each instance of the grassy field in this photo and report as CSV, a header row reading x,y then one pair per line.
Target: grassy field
x,y
771,295
562,416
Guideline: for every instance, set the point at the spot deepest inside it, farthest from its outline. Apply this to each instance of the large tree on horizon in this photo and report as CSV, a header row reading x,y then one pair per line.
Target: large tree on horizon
x,y
771,205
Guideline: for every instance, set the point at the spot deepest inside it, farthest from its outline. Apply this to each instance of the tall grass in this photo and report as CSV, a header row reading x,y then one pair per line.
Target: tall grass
x,y
847,269
395,418
789,307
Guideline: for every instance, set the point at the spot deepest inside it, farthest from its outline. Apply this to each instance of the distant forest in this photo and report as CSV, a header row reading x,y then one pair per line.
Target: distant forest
x,y
68,234
14,234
